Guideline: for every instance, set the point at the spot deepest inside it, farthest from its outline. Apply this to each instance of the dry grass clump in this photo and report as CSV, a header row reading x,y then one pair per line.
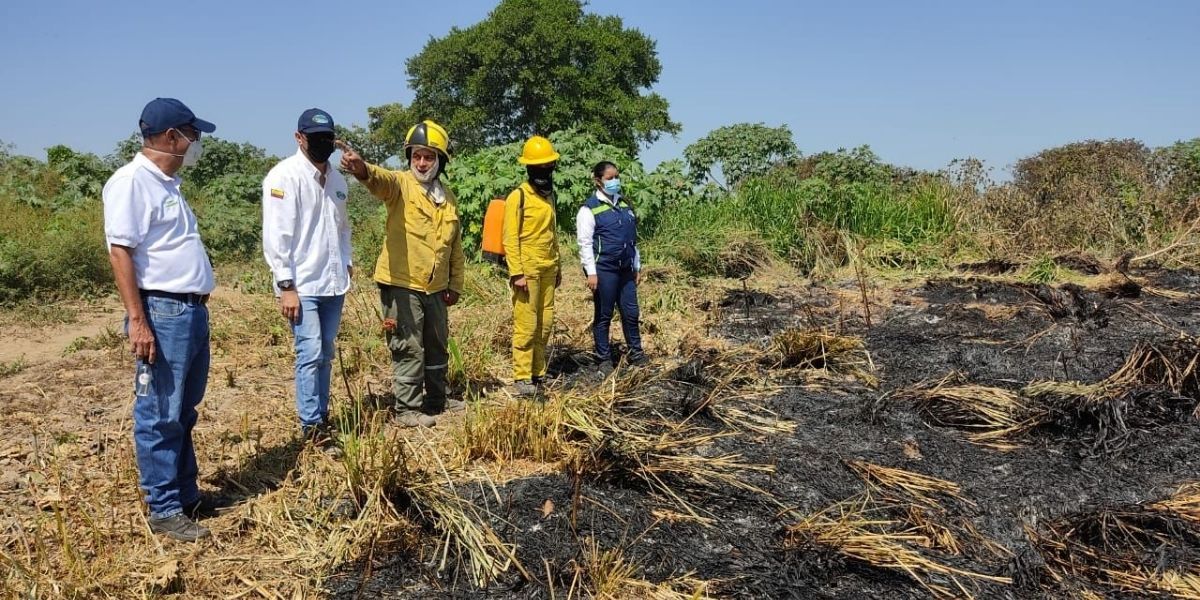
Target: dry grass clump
x,y
508,431
819,349
607,574
992,415
616,435
412,479
625,437
1159,383
903,521
721,384
1139,549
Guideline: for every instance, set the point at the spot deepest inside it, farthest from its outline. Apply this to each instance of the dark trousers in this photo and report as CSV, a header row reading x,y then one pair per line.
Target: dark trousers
x,y
615,290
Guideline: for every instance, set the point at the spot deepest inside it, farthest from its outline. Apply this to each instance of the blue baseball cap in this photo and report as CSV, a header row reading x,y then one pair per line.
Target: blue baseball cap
x,y
162,114
315,120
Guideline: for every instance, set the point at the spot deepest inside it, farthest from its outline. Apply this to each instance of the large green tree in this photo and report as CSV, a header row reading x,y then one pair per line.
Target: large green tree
x,y
739,151
536,66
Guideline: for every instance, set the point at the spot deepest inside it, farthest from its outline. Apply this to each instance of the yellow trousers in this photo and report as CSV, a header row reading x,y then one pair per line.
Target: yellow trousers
x,y
533,320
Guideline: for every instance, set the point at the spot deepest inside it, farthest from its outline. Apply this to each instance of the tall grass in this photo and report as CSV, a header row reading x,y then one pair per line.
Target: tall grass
x,y
47,254
807,221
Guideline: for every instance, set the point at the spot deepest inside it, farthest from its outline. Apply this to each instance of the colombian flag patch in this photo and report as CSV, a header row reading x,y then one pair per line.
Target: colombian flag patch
x,y
276,193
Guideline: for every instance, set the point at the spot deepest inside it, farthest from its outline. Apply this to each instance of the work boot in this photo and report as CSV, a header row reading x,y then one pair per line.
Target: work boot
x,y
179,527
636,360
412,418
524,388
206,506
450,406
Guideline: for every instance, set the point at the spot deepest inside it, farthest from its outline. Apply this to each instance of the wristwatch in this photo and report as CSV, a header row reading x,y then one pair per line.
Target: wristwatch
x,y
285,285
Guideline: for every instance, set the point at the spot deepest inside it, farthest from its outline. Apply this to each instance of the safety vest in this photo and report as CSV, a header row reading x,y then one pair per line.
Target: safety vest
x,y
615,237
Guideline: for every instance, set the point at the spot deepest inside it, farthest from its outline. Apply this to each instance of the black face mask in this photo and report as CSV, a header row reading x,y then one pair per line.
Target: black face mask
x,y
319,148
541,178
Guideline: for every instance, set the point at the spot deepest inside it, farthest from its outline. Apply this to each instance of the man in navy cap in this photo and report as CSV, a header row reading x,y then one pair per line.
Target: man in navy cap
x,y
306,242
164,277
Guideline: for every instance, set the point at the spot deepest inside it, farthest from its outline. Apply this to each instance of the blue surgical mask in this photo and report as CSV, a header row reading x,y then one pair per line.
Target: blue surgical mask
x,y
612,187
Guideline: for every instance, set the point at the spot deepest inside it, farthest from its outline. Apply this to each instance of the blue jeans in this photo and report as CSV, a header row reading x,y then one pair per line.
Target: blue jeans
x,y
163,418
315,333
615,289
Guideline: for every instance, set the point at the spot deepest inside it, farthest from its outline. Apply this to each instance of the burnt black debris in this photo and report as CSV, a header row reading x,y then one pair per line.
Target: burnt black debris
x,y
1026,499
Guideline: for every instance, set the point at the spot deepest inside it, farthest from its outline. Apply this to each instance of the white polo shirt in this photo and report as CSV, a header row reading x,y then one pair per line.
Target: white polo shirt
x,y
144,210
306,231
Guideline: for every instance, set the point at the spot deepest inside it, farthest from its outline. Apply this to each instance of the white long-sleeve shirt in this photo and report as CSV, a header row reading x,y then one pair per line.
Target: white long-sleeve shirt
x,y
306,230
585,230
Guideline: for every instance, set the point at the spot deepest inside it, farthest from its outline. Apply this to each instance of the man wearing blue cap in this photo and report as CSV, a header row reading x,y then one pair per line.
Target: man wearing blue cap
x,y
306,241
163,276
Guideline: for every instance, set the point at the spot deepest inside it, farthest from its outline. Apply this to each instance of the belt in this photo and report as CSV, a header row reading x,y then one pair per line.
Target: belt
x,y
201,299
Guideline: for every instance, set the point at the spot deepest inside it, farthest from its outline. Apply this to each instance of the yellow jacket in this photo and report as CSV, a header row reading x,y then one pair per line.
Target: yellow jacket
x,y
422,250
531,239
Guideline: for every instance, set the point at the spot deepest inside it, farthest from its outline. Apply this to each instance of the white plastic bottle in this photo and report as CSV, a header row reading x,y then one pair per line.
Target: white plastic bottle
x,y
144,377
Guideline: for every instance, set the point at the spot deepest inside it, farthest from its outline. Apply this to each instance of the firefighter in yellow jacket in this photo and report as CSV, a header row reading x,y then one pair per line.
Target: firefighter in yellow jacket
x,y
531,249
420,270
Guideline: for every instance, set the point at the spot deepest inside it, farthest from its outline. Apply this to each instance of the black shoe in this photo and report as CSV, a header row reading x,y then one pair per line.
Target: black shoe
x,y
206,507
322,436
636,360
449,406
179,527
604,369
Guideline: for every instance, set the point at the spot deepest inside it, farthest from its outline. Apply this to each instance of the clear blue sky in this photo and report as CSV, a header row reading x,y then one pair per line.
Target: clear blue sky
x,y
922,82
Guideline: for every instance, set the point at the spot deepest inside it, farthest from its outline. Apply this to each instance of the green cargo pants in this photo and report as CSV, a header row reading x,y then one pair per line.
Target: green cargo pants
x,y
418,346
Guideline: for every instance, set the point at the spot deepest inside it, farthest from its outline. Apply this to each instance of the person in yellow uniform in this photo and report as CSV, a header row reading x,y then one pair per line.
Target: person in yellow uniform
x,y
531,249
420,270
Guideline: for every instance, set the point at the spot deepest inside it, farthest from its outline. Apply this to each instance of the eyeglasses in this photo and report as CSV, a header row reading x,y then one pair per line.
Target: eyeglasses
x,y
191,133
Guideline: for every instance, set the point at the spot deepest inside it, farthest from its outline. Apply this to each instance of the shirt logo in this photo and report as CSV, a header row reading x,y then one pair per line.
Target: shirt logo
x,y
276,193
341,195
170,203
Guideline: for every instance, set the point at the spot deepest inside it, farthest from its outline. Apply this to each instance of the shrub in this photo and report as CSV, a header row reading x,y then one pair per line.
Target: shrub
x,y
494,172
48,255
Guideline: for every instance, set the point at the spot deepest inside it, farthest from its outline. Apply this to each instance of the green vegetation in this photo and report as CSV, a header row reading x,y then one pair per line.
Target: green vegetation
x,y
538,66
818,212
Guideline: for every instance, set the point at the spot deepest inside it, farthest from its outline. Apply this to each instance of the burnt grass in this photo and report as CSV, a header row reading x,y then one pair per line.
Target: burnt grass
x,y
1038,332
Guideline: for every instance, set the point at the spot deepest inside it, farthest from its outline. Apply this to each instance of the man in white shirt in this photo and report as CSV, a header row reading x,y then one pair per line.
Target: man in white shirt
x,y
306,241
163,276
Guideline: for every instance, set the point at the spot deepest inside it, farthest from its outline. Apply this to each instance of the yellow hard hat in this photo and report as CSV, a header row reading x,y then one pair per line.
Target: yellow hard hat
x,y
428,134
537,151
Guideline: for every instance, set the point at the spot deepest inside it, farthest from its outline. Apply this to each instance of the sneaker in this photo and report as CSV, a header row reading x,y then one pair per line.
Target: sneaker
x,y
524,388
206,506
636,360
179,527
412,418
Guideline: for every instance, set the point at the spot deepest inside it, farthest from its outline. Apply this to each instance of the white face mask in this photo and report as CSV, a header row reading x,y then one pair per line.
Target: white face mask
x,y
194,151
429,175
191,156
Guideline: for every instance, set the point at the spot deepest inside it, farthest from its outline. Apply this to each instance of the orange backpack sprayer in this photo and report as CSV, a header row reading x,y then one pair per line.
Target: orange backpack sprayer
x,y
493,229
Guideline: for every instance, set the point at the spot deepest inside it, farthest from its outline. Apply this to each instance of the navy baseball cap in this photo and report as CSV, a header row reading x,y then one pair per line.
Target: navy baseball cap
x,y
315,120
162,114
